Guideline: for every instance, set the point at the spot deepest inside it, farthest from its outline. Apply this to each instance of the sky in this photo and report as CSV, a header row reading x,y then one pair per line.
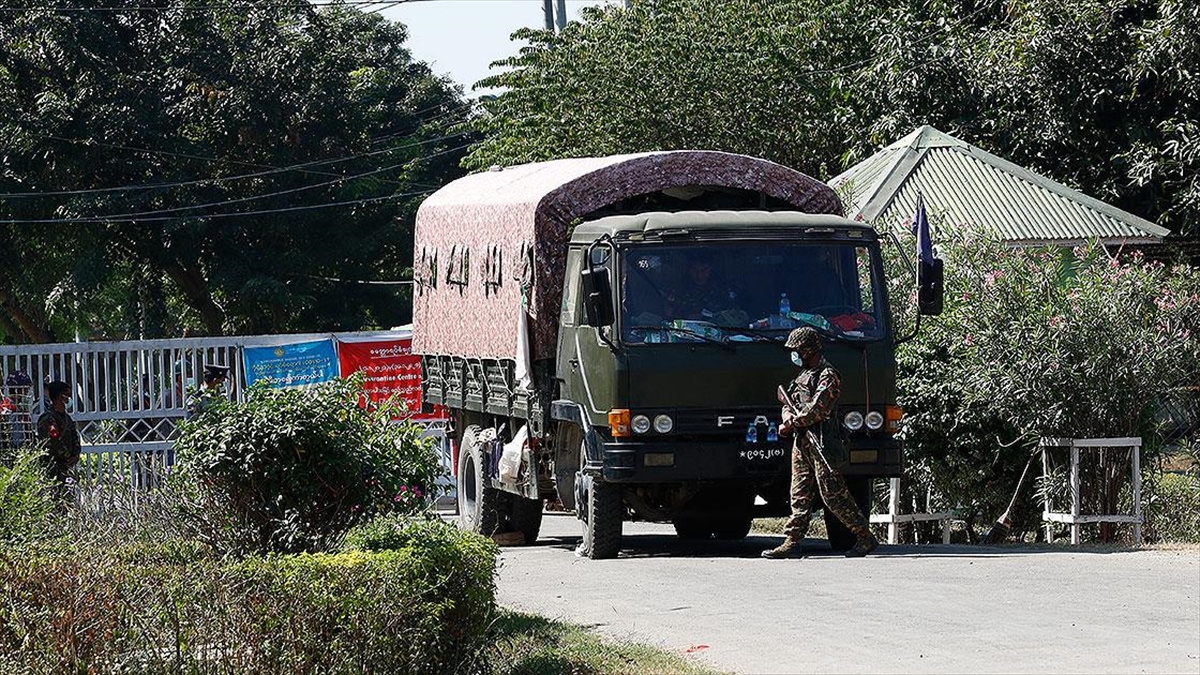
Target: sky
x,y
459,38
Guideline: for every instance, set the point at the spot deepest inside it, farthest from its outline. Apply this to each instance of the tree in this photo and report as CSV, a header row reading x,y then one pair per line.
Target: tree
x,y
1098,94
142,132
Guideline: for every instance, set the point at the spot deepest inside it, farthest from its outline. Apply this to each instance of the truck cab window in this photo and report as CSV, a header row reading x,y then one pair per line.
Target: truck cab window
x,y
693,292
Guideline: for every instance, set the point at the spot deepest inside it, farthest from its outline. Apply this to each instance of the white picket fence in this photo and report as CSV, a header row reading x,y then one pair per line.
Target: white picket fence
x,y
128,397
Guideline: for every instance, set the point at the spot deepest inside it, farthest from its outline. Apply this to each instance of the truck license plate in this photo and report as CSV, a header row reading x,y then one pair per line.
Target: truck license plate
x,y
766,454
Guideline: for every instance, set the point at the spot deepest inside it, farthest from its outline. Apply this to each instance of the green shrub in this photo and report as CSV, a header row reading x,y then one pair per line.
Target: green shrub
x,y
27,501
1173,509
300,466
164,608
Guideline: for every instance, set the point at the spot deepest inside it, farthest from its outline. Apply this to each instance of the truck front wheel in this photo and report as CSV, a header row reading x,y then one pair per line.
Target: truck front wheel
x,y
527,517
479,505
600,509
733,528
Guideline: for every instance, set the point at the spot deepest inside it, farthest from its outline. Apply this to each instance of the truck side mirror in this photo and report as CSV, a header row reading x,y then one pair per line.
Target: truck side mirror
x,y
930,292
597,296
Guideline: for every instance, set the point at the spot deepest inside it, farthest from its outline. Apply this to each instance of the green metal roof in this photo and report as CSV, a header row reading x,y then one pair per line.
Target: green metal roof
x,y
976,190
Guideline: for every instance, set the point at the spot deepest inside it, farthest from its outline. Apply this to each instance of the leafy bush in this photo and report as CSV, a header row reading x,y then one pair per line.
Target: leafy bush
x,y
1173,509
300,466
27,501
1041,342
422,608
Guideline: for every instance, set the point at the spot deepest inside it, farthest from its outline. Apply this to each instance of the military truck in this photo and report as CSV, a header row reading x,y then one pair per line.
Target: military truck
x,y
608,332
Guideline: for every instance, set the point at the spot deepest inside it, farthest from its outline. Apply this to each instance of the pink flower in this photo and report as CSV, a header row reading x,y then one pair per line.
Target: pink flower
x,y
396,498
969,339
404,488
417,491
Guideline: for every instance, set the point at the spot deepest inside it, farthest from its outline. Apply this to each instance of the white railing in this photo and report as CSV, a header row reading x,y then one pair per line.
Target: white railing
x,y
128,397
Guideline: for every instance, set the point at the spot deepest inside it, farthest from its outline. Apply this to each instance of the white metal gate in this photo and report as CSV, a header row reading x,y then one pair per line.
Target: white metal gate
x,y
127,397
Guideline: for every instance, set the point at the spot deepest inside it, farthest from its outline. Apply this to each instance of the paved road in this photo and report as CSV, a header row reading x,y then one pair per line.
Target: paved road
x,y
935,609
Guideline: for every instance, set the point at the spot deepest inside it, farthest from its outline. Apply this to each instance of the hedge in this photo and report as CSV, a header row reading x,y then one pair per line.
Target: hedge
x,y
170,607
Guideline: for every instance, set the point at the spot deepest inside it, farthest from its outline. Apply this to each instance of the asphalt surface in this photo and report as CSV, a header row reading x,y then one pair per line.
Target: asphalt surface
x,y
927,609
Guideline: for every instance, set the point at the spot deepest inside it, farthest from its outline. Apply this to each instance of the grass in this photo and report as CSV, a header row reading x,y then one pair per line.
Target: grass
x,y
525,644
816,527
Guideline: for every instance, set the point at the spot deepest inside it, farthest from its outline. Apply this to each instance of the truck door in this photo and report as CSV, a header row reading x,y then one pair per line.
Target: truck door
x,y
567,363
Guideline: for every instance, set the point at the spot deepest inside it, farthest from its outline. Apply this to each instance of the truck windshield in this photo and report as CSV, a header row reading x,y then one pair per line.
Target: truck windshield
x,y
747,291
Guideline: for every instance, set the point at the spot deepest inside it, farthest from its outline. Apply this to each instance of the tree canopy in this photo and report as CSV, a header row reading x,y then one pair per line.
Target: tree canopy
x,y
1099,94
196,167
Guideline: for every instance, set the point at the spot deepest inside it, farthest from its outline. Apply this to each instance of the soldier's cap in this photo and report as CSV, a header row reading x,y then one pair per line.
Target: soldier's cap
x,y
215,372
804,338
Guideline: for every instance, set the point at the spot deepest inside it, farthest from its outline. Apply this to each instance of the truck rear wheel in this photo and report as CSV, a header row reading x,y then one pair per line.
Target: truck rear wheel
x,y
600,509
479,505
841,538
527,517
692,529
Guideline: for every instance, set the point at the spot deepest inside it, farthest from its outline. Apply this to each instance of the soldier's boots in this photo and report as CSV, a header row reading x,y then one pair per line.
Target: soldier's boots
x,y
790,548
864,546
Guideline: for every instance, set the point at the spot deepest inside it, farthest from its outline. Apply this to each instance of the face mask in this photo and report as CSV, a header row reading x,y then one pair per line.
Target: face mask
x,y
796,359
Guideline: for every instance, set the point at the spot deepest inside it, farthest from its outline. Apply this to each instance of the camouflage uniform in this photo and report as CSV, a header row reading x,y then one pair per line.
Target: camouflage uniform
x,y
810,470
815,391
61,436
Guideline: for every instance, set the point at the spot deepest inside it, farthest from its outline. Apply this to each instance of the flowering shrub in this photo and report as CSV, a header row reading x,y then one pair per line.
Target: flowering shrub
x,y
1042,342
298,467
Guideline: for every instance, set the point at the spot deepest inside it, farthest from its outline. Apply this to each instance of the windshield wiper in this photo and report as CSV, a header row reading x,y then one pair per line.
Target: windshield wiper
x,y
777,334
688,331
760,334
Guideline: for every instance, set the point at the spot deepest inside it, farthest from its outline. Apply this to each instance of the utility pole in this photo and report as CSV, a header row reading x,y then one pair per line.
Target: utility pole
x,y
562,15
548,10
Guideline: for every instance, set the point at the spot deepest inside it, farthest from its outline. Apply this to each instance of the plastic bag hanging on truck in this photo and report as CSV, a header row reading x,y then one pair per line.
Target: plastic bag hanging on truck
x,y
510,457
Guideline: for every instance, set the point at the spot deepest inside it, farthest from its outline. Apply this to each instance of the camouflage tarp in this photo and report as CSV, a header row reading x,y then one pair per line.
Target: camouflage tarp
x,y
482,237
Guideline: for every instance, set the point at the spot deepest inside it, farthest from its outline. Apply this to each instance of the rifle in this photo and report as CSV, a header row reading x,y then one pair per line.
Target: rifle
x,y
786,400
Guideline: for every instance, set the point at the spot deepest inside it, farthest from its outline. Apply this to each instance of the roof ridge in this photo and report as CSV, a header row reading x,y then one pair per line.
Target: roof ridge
x,y
1060,190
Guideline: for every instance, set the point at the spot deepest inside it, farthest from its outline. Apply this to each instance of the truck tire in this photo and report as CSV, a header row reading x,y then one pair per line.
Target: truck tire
x,y
527,517
479,505
733,528
692,529
601,514
840,538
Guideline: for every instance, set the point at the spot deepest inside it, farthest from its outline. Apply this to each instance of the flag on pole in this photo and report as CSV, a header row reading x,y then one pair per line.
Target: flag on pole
x,y
929,268
920,227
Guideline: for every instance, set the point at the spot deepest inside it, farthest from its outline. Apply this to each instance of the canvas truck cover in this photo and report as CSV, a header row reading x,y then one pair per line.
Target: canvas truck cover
x,y
489,240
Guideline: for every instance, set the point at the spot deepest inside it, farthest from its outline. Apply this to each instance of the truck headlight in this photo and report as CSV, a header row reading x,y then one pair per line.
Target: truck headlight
x,y
853,420
874,420
640,424
663,424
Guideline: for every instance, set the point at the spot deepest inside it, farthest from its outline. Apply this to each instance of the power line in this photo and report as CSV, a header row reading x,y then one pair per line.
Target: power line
x,y
290,209
199,181
153,216
206,8
406,282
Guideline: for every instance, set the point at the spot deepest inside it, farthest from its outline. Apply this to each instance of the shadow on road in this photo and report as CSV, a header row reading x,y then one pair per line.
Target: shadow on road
x,y
667,545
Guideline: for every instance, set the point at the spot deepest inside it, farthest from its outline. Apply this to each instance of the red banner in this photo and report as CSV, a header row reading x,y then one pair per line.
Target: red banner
x,y
391,368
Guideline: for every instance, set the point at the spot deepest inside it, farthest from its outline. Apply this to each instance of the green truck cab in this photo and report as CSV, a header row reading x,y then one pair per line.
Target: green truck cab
x,y
638,377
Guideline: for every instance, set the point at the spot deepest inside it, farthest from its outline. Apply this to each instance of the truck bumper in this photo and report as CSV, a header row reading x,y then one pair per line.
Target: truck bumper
x,y
667,462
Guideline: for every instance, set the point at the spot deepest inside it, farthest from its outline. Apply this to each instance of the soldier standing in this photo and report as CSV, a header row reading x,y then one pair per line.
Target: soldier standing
x,y
213,389
56,428
815,390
